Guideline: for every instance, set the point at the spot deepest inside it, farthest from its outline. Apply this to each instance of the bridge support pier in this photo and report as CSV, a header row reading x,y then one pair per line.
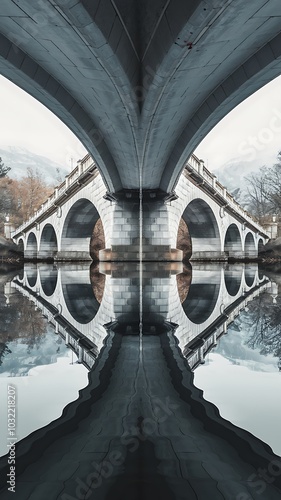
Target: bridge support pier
x,y
140,232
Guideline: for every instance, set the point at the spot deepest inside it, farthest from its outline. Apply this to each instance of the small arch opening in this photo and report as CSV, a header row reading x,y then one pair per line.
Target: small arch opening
x,y
48,242
250,249
21,245
31,246
233,242
202,227
83,230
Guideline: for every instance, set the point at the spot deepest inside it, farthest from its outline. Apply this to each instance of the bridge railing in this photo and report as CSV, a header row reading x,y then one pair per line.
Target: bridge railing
x,y
82,167
198,166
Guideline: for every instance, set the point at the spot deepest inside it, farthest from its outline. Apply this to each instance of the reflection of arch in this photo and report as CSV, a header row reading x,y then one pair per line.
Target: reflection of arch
x,y
48,242
232,241
31,275
232,279
80,301
201,301
48,279
250,273
21,274
250,249
202,227
31,246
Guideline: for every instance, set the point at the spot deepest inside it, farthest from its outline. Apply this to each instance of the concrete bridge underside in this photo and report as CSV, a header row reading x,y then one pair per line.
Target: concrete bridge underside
x,y
140,82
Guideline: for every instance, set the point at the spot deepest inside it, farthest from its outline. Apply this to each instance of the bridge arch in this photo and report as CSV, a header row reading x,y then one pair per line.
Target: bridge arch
x,y
203,228
250,246
20,244
78,228
233,242
260,245
31,251
48,246
116,50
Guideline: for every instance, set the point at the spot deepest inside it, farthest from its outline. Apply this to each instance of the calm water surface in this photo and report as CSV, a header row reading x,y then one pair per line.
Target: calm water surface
x,y
56,319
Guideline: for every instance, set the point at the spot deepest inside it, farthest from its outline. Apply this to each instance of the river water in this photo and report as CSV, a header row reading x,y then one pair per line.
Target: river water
x,y
56,320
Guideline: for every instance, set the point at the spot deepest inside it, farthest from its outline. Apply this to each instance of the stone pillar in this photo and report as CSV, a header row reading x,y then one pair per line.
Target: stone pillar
x,y
73,249
8,229
139,236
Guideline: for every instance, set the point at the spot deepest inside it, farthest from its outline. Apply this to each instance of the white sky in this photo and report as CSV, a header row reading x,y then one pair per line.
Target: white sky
x,y
251,131
28,124
36,391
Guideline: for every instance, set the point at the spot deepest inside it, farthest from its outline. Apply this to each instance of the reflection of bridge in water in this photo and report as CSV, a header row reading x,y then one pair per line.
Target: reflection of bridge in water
x,y
214,295
140,420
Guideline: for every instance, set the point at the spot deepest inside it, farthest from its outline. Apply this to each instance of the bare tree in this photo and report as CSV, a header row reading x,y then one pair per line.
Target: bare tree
x,y
264,190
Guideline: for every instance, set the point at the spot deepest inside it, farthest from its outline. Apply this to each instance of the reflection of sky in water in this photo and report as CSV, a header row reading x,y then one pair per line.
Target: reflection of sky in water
x,y
36,361
244,384
21,356
42,395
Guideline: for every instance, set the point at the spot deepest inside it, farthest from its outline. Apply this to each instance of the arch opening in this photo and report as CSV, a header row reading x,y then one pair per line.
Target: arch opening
x,y
21,245
260,246
48,243
203,229
83,231
250,248
31,247
233,242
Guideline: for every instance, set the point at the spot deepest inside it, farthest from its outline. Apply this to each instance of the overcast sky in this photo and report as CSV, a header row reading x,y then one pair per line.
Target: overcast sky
x,y
27,123
251,131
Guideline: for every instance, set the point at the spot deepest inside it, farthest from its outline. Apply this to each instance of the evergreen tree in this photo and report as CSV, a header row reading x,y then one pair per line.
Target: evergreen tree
x,y
3,169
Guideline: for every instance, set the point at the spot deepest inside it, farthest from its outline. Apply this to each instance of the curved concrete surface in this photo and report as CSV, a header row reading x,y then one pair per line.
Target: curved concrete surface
x,y
140,83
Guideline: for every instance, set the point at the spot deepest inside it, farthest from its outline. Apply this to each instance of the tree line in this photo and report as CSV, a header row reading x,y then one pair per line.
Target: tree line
x,y
21,198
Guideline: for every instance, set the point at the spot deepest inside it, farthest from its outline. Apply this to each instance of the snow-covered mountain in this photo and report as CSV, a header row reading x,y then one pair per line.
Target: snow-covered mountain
x,y
19,159
233,175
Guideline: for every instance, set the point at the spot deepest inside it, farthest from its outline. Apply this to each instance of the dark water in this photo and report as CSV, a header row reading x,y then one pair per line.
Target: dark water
x,y
55,320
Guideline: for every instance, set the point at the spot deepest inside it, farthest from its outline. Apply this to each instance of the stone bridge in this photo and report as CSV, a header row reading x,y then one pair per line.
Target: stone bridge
x,y
141,83
218,227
